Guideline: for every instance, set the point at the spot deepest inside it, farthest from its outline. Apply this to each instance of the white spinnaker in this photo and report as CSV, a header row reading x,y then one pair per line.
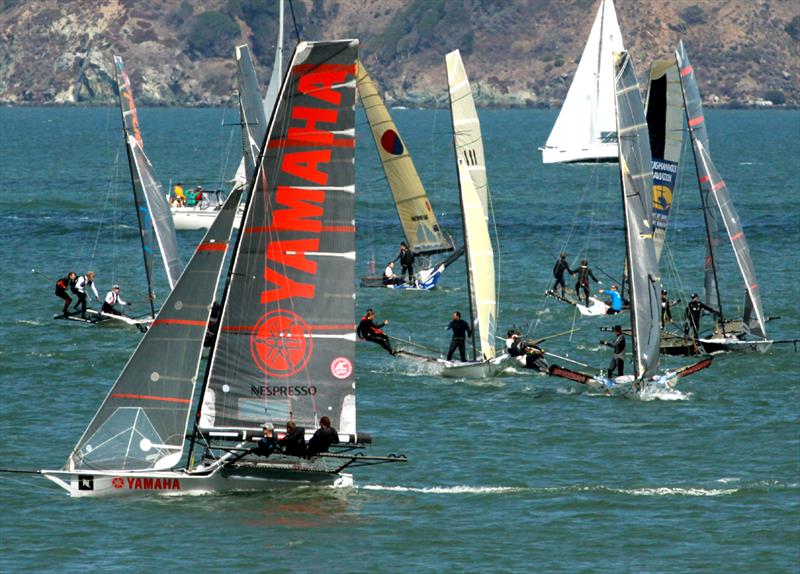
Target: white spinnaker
x,y
585,129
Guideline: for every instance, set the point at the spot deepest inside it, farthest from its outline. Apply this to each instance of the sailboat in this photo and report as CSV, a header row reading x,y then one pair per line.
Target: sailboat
x,y
584,130
748,334
152,210
254,114
479,254
423,235
643,276
285,344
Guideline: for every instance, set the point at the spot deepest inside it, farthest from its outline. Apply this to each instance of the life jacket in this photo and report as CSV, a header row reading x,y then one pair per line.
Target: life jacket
x,y
114,298
62,283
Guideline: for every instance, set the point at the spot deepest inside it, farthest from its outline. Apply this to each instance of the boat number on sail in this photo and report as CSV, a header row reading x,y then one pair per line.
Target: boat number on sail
x,y
341,367
390,142
281,343
146,483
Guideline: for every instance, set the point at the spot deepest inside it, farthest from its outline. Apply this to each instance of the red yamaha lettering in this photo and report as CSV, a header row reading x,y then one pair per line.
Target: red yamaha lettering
x,y
292,253
150,483
287,288
320,81
305,165
302,213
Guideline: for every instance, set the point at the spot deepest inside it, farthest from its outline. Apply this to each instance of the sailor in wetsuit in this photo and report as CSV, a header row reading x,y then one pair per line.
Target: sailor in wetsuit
x,y
61,290
325,436
584,273
406,258
517,346
112,298
615,305
558,272
618,359
694,311
369,331
79,288
268,443
293,442
461,330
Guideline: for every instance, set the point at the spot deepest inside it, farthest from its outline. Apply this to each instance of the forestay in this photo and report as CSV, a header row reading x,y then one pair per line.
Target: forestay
x,y
585,128
474,204
286,343
151,203
142,422
665,112
637,185
697,131
420,227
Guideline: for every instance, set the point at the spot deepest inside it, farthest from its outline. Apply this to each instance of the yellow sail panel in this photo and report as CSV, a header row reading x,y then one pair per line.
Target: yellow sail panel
x,y
466,127
480,261
416,215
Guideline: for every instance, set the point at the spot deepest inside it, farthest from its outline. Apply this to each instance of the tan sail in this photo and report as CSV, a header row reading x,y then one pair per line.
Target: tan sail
x,y
416,215
474,203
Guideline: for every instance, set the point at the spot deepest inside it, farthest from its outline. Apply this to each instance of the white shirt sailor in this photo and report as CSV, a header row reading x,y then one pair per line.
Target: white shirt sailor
x,y
81,283
112,298
388,273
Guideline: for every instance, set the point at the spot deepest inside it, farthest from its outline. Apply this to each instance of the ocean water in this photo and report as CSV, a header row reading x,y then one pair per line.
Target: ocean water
x,y
515,474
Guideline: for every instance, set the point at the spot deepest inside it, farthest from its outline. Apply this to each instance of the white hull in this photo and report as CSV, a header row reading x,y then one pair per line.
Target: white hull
x,y
94,317
596,308
732,344
220,479
607,152
194,218
473,369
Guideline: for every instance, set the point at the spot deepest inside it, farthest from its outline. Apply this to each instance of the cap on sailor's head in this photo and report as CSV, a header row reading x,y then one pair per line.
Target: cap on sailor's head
x,y
115,287
267,426
695,295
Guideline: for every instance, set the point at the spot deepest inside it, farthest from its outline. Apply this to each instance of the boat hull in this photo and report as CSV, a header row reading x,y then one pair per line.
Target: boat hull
x,y
426,280
94,317
474,369
259,477
195,218
732,344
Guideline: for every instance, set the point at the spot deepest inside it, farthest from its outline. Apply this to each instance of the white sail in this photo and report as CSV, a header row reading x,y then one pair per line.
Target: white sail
x,y
585,129
276,78
474,204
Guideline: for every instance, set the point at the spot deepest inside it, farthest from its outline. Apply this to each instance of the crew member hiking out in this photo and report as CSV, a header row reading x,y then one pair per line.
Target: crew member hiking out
x,y
79,288
406,258
558,272
615,305
294,441
112,298
323,438
618,358
61,290
584,273
369,331
461,330
268,444
694,311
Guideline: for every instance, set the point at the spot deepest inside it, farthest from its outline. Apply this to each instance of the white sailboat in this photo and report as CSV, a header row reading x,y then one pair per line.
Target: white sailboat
x,y
479,254
152,211
748,334
636,177
423,235
284,347
585,129
254,114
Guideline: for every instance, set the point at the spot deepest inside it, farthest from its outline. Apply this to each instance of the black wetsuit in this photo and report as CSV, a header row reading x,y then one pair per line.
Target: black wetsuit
x,y
618,359
693,312
558,272
266,446
321,441
368,330
584,272
407,264
666,311
461,330
61,291
294,443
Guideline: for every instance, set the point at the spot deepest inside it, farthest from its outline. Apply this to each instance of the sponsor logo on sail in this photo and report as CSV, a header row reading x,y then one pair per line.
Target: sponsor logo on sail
x,y
341,367
390,142
147,483
281,343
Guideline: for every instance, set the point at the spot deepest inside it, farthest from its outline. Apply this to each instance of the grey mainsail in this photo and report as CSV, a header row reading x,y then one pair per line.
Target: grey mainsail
x,y
142,422
152,208
664,112
276,78
637,184
286,343
717,201
251,109
697,130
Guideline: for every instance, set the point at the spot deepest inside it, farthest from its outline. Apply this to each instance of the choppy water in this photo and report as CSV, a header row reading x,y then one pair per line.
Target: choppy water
x,y
521,473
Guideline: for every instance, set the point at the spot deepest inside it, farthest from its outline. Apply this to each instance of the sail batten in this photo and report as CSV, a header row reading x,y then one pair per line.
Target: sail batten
x,y
474,190
422,232
637,185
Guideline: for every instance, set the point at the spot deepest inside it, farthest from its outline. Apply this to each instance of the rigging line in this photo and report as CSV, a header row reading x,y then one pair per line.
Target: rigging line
x,y
294,21
409,342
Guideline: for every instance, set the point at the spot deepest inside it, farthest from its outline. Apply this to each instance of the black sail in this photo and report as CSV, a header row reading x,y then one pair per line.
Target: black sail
x,y
141,425
286,343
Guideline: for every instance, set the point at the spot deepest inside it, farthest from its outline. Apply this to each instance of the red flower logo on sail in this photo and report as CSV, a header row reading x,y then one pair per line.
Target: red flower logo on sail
x,y
117,482
341,367
281,343
390,142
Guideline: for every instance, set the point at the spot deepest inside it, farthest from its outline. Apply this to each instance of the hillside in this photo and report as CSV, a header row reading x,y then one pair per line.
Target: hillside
x,y
518,53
